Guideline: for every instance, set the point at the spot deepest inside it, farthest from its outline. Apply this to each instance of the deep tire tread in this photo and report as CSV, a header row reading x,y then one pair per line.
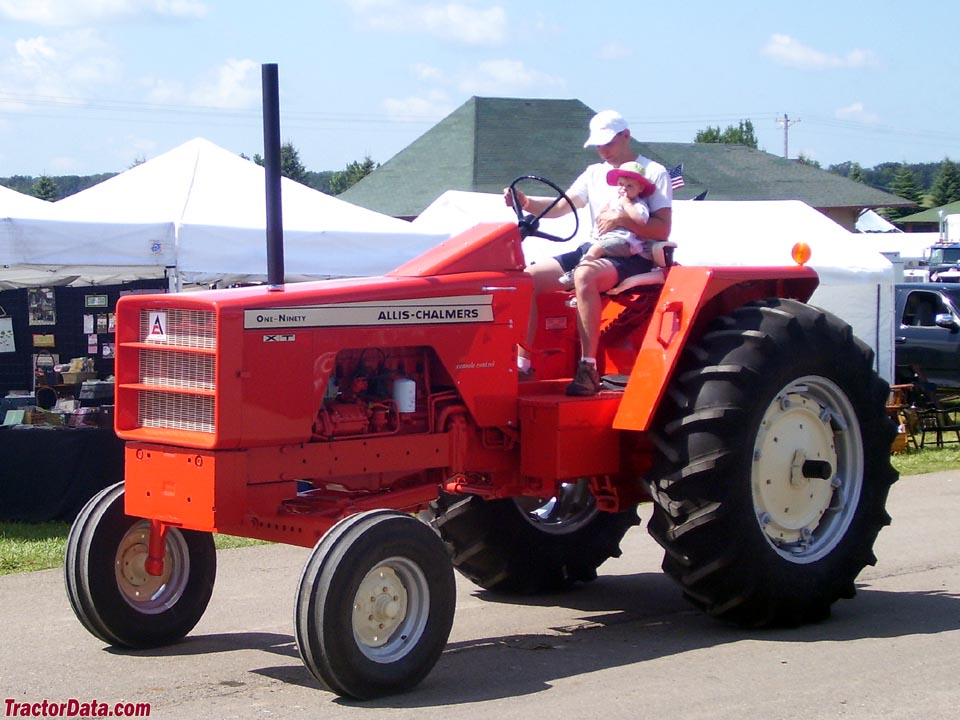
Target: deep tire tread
x,y
702,456
496,548
91,585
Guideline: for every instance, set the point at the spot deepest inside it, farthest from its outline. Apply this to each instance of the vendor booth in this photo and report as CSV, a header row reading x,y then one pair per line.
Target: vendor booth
x,y
190,217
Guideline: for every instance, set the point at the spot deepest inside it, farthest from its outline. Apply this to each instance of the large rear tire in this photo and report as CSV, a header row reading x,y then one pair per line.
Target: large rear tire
x,y
109,589
773,465
529,545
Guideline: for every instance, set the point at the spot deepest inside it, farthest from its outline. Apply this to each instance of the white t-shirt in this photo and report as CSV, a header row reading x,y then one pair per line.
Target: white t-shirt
x,y
591,187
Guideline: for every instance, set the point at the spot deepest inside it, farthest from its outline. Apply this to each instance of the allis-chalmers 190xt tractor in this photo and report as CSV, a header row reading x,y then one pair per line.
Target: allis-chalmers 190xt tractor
x,y
328,414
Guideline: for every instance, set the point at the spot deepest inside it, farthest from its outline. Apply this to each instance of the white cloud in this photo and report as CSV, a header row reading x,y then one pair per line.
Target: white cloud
x,y
464,22
793,53
56,70
233,85
77,12
505,77
856,111
432,105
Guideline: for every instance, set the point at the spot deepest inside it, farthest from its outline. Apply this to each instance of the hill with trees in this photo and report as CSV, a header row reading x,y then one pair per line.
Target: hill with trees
x,y
331,182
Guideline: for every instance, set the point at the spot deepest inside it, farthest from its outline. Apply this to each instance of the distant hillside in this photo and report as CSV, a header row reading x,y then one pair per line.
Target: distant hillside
x,y
66,184
70,184
879,177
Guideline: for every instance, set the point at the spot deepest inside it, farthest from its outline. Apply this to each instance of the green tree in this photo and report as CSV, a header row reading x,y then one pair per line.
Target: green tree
x,y
905,185
351,175
742,134
946,185
856,173
804,160
709,135
46,189
290,165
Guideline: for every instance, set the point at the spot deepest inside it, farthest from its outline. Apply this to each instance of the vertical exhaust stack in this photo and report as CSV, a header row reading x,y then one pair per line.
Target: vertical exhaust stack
x,y
271,159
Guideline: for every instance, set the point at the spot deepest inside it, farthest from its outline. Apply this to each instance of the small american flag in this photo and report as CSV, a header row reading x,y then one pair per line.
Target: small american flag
x,y
676,177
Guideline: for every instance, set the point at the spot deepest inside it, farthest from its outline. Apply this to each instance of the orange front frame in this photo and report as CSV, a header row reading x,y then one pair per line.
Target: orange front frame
x,y
253,493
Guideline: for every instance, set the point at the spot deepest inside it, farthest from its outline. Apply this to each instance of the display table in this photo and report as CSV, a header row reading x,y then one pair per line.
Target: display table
x,y
50,473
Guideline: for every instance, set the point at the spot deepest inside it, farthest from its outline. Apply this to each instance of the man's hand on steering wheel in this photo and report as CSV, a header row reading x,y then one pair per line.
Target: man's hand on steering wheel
x,y
530,223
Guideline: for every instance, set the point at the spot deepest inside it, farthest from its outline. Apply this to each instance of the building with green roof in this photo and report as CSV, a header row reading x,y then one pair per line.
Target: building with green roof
x,y
487,142
928,220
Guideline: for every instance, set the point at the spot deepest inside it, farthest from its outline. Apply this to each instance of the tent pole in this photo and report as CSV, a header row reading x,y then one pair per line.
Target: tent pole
x,y
271,155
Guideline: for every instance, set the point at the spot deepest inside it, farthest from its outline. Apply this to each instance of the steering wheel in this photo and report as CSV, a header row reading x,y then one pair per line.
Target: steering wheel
x,y
530,224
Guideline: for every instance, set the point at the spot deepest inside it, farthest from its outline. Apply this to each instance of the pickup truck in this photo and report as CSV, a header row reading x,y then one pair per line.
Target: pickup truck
x,y
928,331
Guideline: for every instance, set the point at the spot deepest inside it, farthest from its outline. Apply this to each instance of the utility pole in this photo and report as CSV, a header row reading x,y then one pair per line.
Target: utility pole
x,y
786,122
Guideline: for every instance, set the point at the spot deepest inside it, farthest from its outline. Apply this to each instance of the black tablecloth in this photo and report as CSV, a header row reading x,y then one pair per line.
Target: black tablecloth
x,y
50,473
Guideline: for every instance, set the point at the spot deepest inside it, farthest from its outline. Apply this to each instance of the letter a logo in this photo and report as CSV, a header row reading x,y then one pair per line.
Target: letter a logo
x,y
158,326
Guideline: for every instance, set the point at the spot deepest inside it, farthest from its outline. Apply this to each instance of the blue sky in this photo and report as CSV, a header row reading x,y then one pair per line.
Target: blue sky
x,y
89,86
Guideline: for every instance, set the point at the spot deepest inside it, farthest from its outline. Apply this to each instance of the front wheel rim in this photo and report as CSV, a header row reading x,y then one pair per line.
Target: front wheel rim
x,y
391,609
807,471
146,593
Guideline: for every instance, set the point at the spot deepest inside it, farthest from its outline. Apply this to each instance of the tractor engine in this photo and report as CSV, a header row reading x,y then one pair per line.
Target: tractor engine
x,y
373,391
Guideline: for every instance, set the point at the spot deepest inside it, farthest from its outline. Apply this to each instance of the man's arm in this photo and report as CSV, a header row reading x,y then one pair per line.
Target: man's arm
x,y
656,228
535,205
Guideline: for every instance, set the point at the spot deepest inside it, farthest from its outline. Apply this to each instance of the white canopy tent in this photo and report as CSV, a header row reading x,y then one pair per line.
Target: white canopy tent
x,y
200,211
13,203
856,280
872,222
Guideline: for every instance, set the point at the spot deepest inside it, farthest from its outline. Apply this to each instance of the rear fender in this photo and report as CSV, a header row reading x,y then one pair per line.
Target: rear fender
x,y
691,297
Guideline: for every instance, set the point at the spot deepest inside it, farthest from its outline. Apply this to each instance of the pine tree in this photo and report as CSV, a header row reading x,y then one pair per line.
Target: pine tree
x,y
856,173
351,175
46,189
946,186
905,185
290,164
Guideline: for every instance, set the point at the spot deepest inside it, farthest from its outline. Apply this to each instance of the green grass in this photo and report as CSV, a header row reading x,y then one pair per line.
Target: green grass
x,y
25,547
920,462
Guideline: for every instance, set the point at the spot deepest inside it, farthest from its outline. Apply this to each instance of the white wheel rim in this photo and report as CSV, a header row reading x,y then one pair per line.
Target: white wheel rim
x,y
810,428
146,593
390,610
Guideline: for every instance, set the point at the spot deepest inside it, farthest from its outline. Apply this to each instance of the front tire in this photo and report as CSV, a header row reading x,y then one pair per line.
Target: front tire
x,y
110,591
528,545
375,605
773,465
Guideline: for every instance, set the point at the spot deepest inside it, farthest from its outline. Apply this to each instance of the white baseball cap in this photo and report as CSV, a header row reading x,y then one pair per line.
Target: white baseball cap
x,y
604,126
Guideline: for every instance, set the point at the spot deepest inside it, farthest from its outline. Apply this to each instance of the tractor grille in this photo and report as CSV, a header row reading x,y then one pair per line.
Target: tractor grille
x,y
176,369
184,328
178,412
177,373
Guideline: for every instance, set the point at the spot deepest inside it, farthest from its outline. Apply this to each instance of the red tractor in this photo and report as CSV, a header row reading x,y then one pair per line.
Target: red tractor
x,y
328,414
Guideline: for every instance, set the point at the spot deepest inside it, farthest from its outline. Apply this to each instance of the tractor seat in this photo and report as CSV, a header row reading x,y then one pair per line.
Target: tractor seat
x,y
662,258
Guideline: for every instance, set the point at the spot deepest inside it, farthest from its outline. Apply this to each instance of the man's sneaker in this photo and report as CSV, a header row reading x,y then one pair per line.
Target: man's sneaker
x,y
566,280
586,382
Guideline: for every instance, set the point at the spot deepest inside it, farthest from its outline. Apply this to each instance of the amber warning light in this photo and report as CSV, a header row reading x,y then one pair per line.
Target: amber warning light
x,y
801,253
